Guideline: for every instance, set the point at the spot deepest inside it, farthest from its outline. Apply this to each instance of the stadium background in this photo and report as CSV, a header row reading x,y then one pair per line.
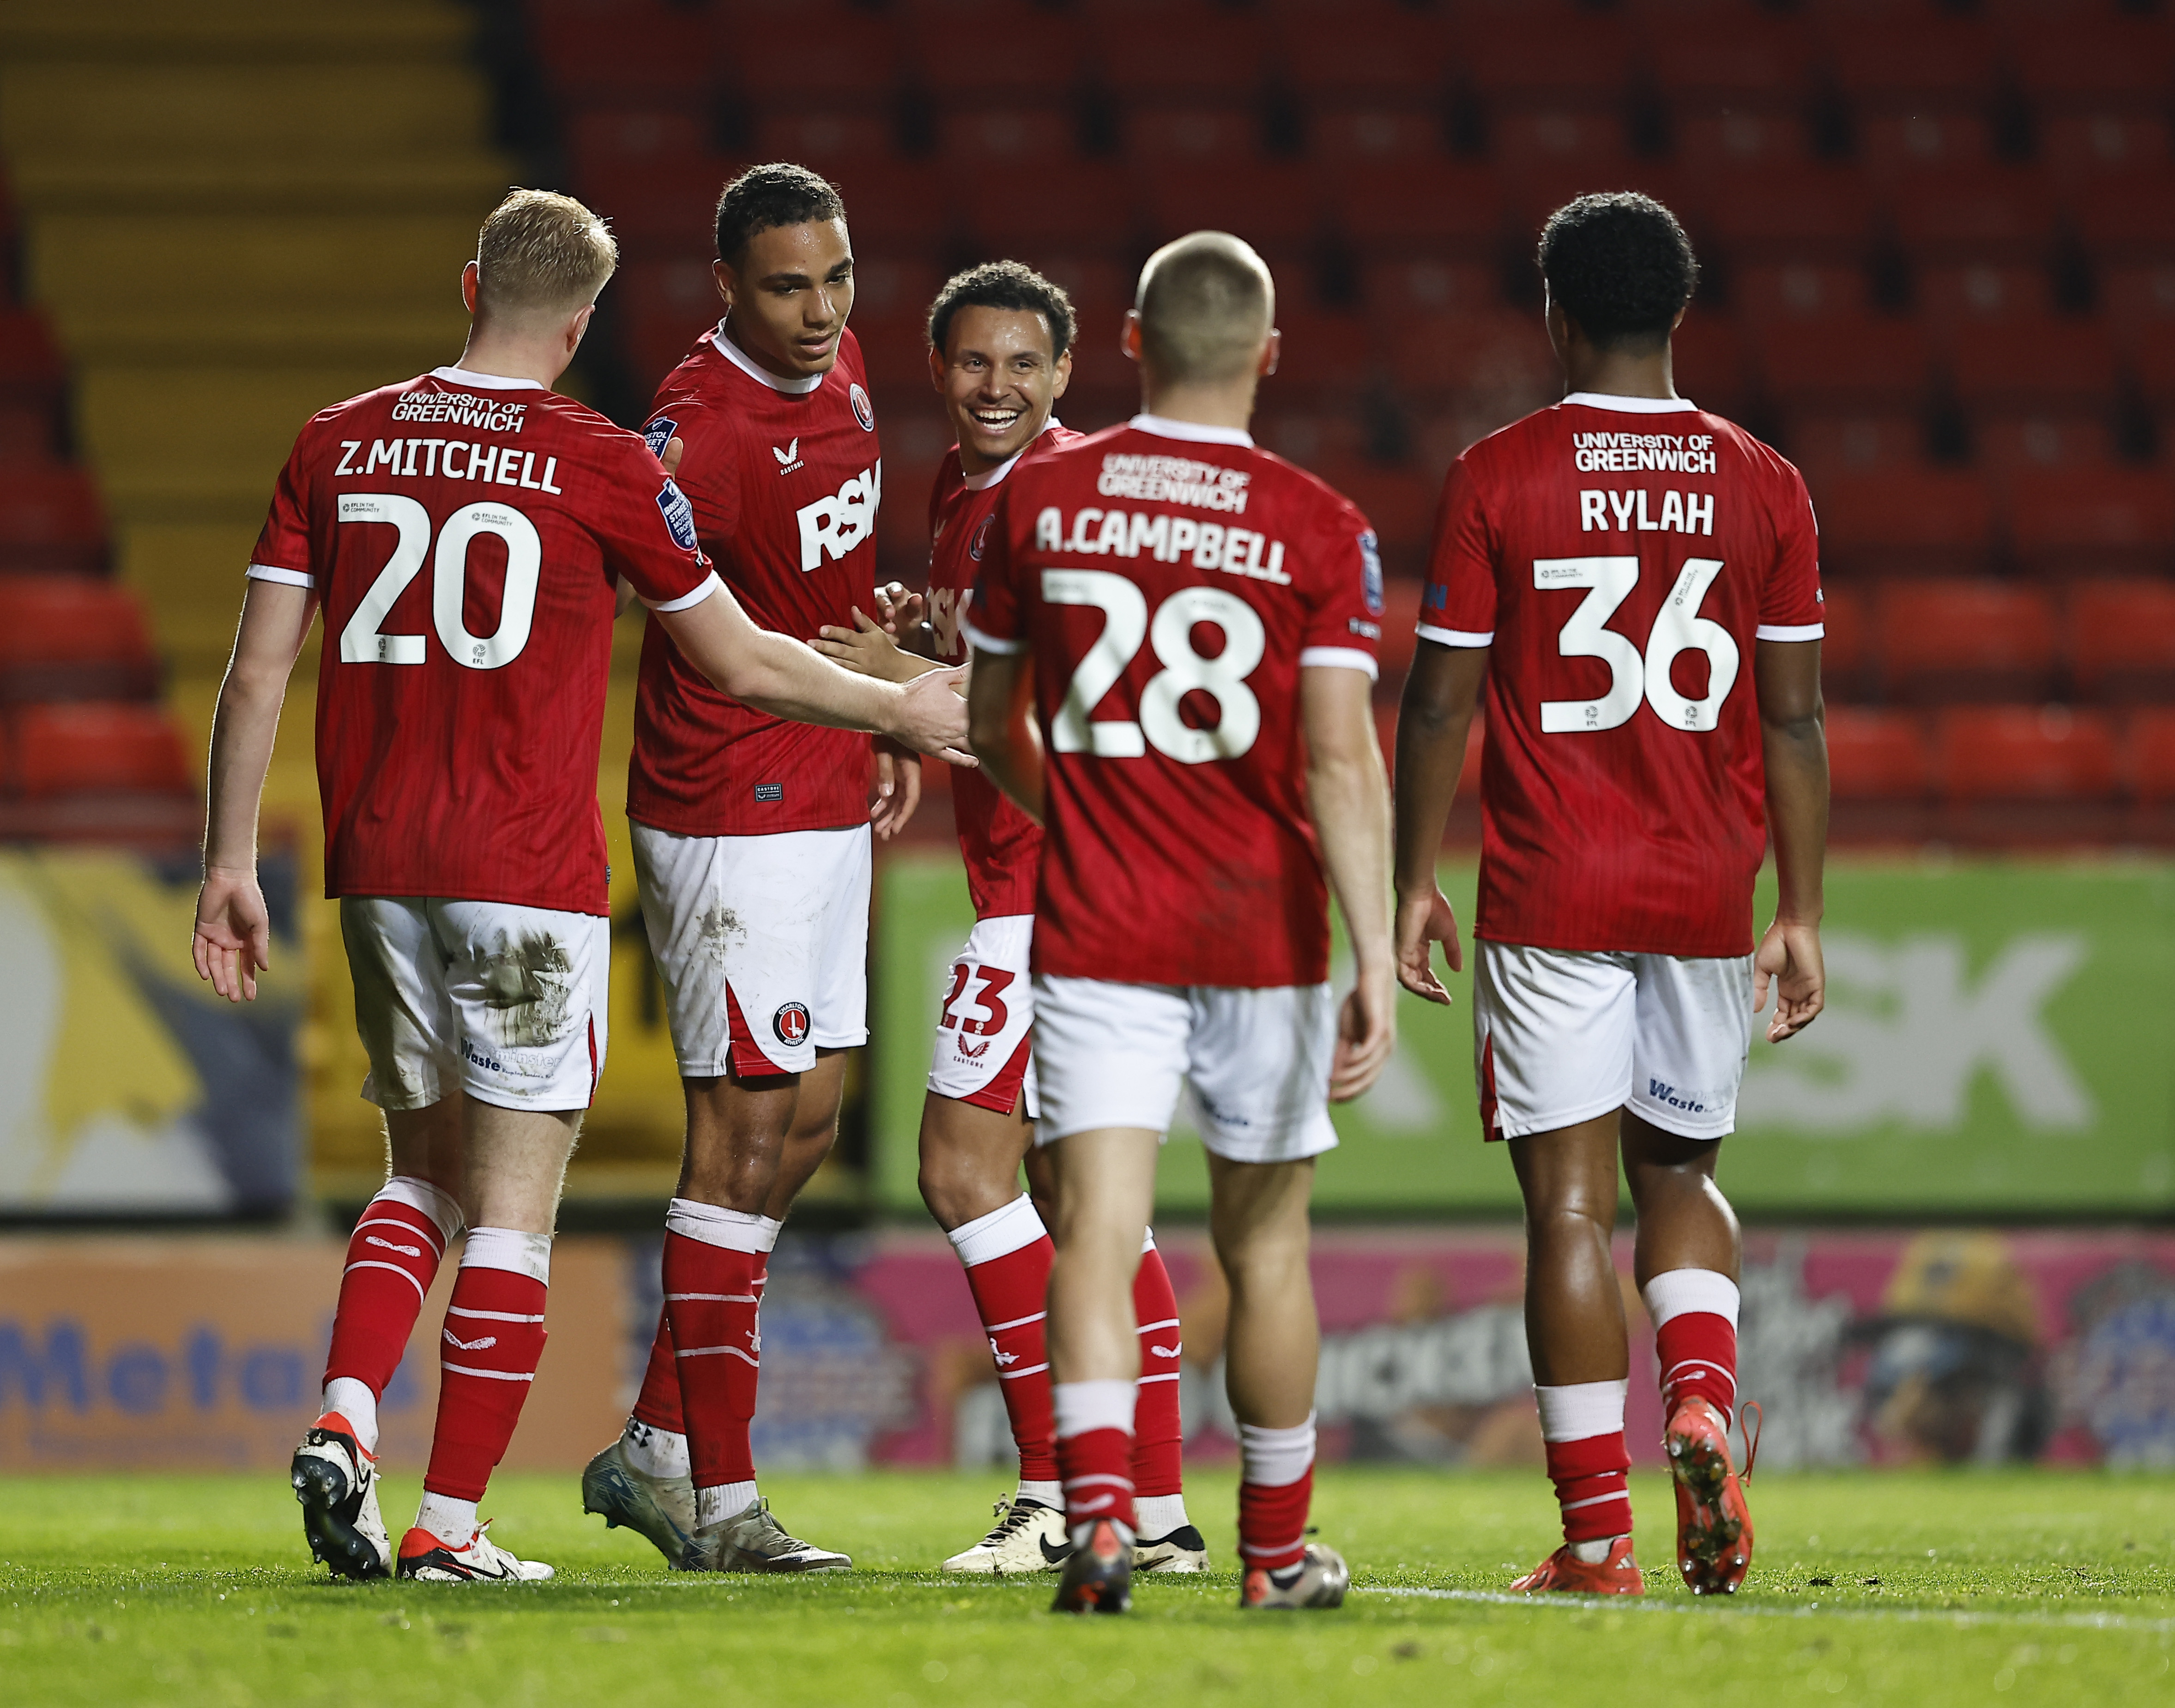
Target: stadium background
x,y
1939,254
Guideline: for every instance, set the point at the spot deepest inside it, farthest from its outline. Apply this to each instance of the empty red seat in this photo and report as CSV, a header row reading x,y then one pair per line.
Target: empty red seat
x,y
1904,521
1831,443
1167,135
1160,49
1436,202
2125,214
762,49
2152,757
975,132
50,519
1957,639
610,140
665,208
1265,204
2072,436
1536,48
2094,57
1872,359
1989,212
2122,639
1877,756
1400,503
1498,352
1925,139
826,139
1744,54
73,637
2081,520
1791,291
1364,51
624,50
61,750
1846,651
2047,359
2024,753
1894,54
1808,210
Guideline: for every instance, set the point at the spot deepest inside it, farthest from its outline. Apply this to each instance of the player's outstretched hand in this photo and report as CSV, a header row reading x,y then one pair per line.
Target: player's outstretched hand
x,y
1422,922
867,649
1366,1032
1790,957
899,609
933,716
234,933
898,789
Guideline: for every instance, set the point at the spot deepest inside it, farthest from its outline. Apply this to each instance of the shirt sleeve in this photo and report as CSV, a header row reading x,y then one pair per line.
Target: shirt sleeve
x,y
708,471
1791,605
1344,620
996,622
282,552
1458,607
648,534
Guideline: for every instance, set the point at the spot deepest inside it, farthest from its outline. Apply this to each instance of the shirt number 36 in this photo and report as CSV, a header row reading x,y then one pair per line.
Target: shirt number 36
x,y
1633,675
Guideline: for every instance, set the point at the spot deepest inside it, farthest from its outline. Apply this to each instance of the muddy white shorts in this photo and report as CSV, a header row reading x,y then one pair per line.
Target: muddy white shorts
x,y
984,1053
504,1002
763,944
1560,1036
1115,1055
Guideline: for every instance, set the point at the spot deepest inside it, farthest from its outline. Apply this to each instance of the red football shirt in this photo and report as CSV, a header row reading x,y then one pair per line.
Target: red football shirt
x,y
464,532
1169,581
1001,844
785,477
1621,556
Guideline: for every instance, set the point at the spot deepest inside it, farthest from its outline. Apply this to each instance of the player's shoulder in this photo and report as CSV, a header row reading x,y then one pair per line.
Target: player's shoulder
x,y
1292,485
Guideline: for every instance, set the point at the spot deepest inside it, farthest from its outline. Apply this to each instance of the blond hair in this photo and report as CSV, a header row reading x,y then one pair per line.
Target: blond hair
x,y
541,252
1206,302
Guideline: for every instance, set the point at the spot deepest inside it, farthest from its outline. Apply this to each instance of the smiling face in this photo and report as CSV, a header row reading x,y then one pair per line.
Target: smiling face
x,y
788,300
999,381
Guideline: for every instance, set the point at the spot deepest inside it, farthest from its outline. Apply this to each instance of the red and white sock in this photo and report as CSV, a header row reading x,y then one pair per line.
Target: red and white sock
x,y
1694,1313
488,1357
655,1439
1582,1427
1276,1488
715,1263
1159,1434
1006,1255
393,1257
1095,1453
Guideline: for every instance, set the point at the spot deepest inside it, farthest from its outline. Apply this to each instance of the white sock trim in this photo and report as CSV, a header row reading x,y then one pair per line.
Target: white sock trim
x,y
729,1230
1158,1515
653,1451
452,1522
419,1194
999,1234
1276,1458
1051,1493
1579,1410
510,1249
726,1500
1678,1292
1147,1242
1099,1404
351,1396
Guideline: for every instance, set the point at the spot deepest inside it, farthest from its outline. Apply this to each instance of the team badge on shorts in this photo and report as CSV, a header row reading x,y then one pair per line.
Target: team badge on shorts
x,y
790,1023
981,539
865,412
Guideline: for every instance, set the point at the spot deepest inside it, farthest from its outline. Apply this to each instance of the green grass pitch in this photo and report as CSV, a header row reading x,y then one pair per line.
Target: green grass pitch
x,y
1905,1588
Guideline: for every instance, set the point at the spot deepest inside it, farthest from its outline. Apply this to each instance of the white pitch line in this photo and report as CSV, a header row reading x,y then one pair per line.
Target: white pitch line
x,y
1590,1604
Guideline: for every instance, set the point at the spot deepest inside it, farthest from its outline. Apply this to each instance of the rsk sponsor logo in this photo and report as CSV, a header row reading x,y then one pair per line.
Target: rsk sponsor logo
x,y
947,612
1626,513
836,525
1166,538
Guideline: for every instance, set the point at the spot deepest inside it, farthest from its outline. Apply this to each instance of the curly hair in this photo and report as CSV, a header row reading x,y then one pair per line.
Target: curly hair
x,y
1004,285
765,197
1621,266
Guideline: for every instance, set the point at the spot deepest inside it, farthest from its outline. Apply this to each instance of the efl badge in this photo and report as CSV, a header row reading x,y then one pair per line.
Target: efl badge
x,y
865,412
1370,573
678,514
981,538
659,434
790,1023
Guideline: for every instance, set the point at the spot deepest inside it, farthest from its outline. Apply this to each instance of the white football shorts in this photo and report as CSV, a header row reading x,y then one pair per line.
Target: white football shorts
x,y
505,1002
1115,1055
1560,1036
984,1050
762,944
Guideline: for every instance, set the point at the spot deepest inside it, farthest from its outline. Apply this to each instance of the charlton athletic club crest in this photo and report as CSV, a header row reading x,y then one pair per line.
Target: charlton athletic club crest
x,y
790,1023
865,412
974,546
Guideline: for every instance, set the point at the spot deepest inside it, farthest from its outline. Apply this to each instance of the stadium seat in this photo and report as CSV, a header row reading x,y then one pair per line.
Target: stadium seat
x,y
836,141
1908,57
2101,57
2076,436
1169,136
1031,209
1957,639
1971,213
2100,140
1502,353
94,748
1913,521
620,50
2048,360
1365,53
2152,766
1790,291
1367,134
1846,651
2018,753
759,47
1583,137
612,141
2121,639
1802,212
1542,49
1442,204
1927,139
1748,56
1950,292
2125,215
1738,139
974,134
2149,351
1877,756
1828,443
1269,205
1708,358
1159,49
50,519
948,45
2089,520
1881,361
664,209
894,347
1323,352
73,637
1399,502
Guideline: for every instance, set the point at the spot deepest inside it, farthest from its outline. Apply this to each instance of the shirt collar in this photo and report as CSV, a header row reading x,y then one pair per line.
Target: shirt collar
x,y
739,358
990,477
1634,406
484,383
1199,432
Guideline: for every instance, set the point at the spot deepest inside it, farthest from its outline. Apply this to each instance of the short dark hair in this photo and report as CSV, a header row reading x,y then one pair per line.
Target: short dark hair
x,y
1620,265
1206,301
764,197
1004,285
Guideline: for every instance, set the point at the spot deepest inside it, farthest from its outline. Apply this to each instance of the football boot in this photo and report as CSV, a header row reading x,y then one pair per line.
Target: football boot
x,y
1319,1579
1184,1549
425,1558
336,1482
1029,1537
752,1540
1564,1573
1098,1577
1714,1525
660,1508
